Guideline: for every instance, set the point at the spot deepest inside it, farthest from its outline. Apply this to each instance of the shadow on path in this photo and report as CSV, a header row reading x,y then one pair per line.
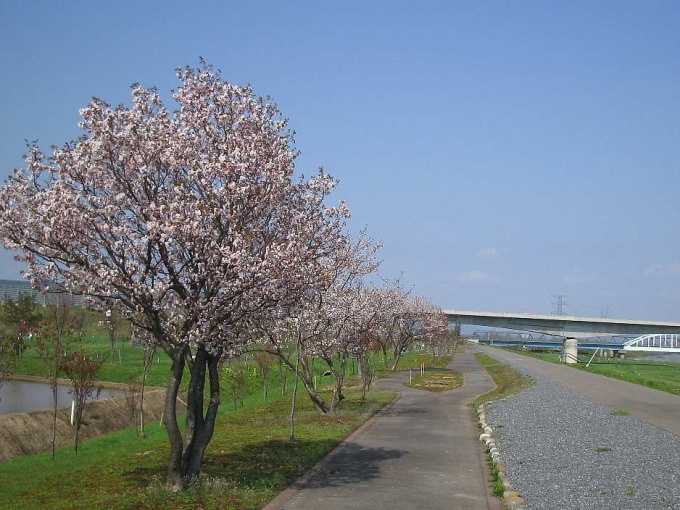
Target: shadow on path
x,y
419,452
352,464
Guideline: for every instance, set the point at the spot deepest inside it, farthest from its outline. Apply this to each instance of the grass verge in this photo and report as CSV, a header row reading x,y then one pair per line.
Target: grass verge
x,y
249,460
508,381
436,381
660,376
497,487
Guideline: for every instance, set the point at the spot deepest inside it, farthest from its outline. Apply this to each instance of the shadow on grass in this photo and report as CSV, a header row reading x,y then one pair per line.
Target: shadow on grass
x,y
268,465
274,465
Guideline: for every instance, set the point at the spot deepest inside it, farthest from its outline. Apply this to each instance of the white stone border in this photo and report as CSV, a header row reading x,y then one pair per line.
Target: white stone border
x,y
511,498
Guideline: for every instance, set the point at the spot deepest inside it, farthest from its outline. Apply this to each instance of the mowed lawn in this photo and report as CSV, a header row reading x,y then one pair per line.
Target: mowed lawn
x,y
249,460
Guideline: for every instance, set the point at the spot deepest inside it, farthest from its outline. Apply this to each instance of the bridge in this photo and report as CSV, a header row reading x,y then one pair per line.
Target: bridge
x,y
656,336
563,325
661,342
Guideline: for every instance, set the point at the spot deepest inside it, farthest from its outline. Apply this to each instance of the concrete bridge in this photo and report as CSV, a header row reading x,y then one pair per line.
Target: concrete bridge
x,y
563,325
660,336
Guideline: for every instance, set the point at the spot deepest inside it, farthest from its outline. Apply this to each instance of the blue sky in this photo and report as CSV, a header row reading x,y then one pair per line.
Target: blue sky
x,y
504,152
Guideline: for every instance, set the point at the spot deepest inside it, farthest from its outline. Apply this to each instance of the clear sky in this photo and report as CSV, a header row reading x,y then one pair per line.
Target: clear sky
x,y
504,152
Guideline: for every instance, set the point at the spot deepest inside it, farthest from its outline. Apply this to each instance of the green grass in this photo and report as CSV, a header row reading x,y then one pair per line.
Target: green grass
x,y
497,487
249,460
660,376
121,369
620,412
412,360
603,449
436,381
508,381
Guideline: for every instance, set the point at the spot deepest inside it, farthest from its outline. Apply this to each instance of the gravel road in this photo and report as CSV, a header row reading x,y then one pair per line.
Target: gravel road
x,y
562,450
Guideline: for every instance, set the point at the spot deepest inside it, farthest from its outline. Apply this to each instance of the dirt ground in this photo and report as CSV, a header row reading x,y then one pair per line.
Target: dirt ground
x,y
29,433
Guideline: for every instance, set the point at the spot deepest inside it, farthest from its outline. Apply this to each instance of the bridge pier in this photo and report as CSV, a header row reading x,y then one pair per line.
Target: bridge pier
x,y
569,351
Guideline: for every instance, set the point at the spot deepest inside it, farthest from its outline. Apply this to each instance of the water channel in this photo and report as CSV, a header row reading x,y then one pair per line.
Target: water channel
x,y
22,396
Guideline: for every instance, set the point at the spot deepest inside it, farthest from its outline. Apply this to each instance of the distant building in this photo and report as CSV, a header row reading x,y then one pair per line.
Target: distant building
x,y
14,289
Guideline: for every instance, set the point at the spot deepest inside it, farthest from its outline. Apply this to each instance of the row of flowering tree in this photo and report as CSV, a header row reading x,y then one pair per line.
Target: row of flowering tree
x,y
193,224
189,221
347,321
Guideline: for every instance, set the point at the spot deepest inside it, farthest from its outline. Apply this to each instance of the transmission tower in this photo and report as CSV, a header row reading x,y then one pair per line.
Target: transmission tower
x,y
559,304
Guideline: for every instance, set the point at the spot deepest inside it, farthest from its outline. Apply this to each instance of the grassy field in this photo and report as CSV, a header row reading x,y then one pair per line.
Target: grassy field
x,y
661,376
249,460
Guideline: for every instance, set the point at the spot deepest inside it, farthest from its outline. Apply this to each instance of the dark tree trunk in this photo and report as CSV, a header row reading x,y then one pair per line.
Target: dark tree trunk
x,y
307,377
53,434
186,455
174,481
383,348
339,382
200,427
366,374
399,347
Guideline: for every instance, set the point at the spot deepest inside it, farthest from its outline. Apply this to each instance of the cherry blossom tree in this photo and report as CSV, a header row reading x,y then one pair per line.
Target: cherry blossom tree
x,y
419,319
367,322
324,325
190,222
82,370
403,317
392,299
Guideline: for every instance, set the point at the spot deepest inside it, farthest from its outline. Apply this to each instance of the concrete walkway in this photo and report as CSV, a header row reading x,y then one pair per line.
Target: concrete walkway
x,y
649,405
420,452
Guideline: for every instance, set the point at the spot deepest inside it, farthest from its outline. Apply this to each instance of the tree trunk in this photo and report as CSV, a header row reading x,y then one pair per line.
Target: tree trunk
x,y
366,374
78,418
174,481
186,455
307,377
203,425
398,349
283,376
339,382
383,348
294,399
314,396
53,435
148,360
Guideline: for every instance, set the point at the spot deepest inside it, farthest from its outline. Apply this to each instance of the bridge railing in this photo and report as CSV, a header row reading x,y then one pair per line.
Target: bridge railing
x,y
654,342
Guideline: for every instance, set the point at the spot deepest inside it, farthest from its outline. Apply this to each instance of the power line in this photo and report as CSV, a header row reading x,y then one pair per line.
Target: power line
x,y
559,304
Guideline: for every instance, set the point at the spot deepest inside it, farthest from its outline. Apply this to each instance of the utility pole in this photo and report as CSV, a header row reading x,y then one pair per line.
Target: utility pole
x,y
559,304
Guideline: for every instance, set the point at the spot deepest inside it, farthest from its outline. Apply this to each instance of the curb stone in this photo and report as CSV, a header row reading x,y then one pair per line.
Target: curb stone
x,y
511,498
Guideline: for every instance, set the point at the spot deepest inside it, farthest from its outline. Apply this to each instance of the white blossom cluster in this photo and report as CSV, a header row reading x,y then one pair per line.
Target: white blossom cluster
x,y
192,224
190,220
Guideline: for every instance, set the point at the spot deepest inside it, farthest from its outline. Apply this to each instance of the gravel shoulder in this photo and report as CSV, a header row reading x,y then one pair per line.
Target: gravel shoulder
x,y
563,449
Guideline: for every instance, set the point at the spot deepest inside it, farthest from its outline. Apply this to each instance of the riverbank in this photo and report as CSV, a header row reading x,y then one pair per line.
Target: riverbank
x,y
29,433
67,382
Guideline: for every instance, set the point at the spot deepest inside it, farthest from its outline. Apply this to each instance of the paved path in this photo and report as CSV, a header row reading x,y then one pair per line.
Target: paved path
x,y
420,452
651,406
